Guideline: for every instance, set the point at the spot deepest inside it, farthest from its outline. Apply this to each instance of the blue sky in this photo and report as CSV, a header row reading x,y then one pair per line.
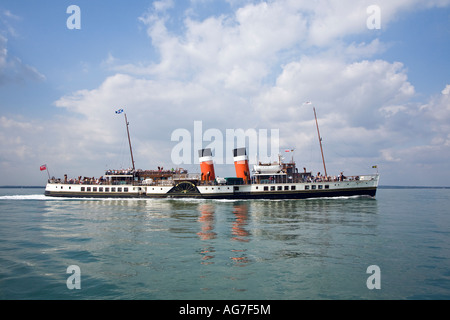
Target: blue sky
x,y
382,96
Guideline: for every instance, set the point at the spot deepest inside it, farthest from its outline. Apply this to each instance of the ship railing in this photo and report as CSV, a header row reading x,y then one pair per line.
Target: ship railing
x,y
314,179
69,182
191,176
187,176
365,177
208,183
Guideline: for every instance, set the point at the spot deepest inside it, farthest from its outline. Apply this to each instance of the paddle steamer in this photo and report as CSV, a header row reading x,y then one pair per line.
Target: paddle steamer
x,y
278,180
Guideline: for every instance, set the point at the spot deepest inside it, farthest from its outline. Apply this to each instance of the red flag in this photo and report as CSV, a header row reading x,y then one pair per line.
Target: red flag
x,y
43,167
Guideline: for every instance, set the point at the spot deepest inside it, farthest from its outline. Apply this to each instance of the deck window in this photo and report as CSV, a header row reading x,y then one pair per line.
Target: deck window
x,y
327,186
106,189
125,189
306,187
94,189
88,189
119,189
286,187
266,188
292,187
82,189
113,189
100,189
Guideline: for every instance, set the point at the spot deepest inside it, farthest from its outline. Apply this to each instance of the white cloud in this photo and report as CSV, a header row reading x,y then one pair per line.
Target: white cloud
x,y
12,69
446,90
216,71
233,51
254,68
18,140
423,148
354,91
436,113
163,5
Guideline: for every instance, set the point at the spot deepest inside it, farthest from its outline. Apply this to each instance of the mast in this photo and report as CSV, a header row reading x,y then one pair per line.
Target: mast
x,y
320,142
129,140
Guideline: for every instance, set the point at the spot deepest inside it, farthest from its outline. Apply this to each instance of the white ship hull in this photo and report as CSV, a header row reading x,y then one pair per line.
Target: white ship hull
x,y
364,186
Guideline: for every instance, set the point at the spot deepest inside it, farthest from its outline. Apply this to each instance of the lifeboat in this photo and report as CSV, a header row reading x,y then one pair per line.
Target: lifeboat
x,y
267,169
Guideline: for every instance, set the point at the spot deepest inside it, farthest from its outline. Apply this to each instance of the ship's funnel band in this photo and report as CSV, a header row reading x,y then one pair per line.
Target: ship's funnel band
x,y
240,158
206,159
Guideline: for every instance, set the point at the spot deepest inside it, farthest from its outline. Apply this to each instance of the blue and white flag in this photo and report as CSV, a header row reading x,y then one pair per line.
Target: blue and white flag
x,y
119,111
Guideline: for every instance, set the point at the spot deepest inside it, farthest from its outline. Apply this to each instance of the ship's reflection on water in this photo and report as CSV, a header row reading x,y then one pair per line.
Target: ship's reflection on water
x,y
222,233
206,220
297,223
238,232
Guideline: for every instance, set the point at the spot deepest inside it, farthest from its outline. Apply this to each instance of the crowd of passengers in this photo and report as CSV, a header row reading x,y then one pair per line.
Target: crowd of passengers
x,y
160,170
108,180
83,180
321,178
309,178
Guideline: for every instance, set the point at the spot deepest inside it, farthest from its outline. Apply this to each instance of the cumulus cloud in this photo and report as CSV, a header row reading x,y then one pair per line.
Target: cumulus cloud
x,y
253,68
219,70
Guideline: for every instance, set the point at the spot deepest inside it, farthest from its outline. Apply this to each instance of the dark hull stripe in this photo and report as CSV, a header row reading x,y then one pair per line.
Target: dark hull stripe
x,y
88,194
371,191
279,195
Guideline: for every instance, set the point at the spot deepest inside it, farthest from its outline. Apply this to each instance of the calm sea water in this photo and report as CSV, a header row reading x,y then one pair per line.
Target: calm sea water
x,y
204,249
